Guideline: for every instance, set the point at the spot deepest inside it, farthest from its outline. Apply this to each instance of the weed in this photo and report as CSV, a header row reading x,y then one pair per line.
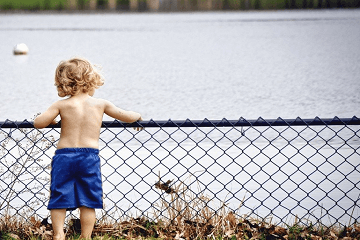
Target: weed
x,y
22,165
294,232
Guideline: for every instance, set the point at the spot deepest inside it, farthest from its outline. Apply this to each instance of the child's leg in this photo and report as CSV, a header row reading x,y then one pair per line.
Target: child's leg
x,y
58,219
87,220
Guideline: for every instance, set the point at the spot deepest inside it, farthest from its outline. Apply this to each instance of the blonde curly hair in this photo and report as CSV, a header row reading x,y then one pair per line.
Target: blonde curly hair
x,y
77,75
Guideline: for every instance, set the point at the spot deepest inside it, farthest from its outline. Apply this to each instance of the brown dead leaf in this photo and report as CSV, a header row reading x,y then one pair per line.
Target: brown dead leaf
x,y
14,236
333,235
34,222
165,187
179,236
229,233
315,237
232,220
280,231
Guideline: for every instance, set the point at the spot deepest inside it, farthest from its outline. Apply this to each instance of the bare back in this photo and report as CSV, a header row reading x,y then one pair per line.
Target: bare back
x,y
81,118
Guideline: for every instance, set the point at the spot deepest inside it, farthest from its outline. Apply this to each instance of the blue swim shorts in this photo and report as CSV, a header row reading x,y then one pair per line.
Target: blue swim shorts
x,y
75,179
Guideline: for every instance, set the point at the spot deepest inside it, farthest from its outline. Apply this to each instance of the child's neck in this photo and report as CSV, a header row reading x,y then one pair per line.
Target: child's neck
x,y
81,95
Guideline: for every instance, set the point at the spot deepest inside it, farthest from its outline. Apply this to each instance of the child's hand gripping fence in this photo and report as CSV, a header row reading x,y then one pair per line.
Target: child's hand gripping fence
x,y
306,170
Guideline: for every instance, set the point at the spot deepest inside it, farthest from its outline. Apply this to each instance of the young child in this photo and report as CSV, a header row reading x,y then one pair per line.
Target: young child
x,y
75,174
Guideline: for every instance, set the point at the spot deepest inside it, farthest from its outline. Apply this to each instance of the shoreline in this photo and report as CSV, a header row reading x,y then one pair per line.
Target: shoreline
x,y
119,11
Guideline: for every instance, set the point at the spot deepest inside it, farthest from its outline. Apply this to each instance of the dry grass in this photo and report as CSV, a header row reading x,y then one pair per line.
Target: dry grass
x,y
180,214
224,227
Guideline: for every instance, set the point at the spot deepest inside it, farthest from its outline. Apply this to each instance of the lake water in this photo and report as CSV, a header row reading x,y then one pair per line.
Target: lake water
x,y
191,65
197,65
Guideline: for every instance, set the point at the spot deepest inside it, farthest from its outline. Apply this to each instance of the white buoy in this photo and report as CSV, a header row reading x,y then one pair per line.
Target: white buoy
x,y
21,49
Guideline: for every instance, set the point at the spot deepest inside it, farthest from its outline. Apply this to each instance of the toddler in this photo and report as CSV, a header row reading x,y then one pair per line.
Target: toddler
x,y
75,167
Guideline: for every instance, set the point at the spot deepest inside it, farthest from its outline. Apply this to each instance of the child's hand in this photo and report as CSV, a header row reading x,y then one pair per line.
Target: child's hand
x,y
138,128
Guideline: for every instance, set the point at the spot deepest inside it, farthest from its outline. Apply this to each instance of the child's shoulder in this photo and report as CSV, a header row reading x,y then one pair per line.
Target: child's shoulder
x,y
100,101
58,103
61,102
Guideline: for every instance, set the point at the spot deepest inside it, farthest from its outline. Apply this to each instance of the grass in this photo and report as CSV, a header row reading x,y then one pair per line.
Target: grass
x,y
180,214
230,228
33,5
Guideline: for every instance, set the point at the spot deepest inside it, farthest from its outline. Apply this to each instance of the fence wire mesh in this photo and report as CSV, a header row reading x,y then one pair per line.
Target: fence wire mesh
x,y
304,169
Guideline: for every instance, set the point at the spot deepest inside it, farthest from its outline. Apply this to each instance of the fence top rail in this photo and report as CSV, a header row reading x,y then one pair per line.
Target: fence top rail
x,y
206,123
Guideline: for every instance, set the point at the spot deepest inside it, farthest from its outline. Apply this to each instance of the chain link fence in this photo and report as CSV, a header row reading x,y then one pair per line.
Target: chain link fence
x,y
278,170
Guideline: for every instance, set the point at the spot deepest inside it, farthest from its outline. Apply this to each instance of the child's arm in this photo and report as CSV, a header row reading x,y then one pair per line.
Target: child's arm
x,y
122,115
47,117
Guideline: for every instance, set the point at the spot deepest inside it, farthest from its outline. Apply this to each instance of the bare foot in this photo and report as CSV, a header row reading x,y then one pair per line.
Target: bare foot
x,y
61,237
81,237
